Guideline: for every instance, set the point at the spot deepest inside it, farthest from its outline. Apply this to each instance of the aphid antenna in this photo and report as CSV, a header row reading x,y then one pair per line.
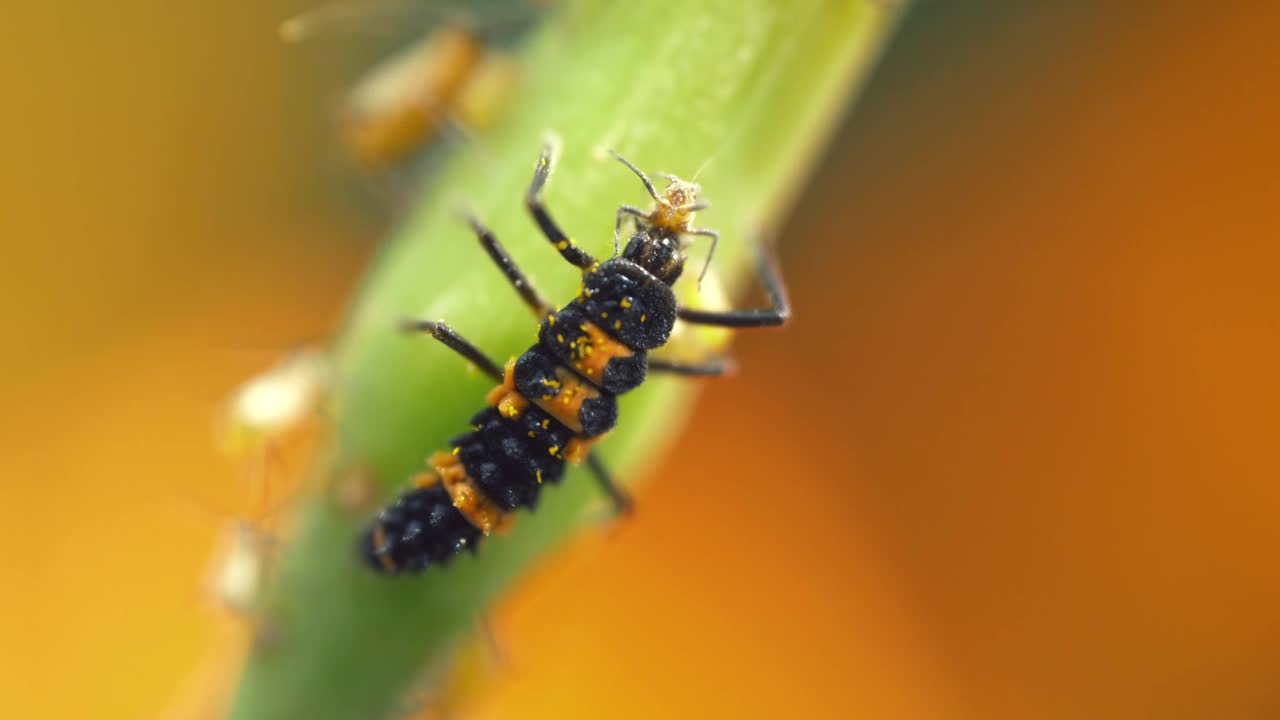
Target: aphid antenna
x,y
387,16
347,15
706,265
698,173
648,184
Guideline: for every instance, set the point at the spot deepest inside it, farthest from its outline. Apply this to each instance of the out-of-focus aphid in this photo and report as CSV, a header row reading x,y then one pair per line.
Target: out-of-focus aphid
x,y
449,81
240,567
259,416
403,103
346,15
269,406
484,95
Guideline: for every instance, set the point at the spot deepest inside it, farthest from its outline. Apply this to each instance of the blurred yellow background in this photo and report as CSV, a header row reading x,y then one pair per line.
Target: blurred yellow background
x,y
1027,404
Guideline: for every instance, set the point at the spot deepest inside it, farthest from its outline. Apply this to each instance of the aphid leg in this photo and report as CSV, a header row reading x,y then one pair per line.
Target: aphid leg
x,y
715,240
533,199
456,343
272,456
715,367
493,644
508,266
622,503
777,314
617,225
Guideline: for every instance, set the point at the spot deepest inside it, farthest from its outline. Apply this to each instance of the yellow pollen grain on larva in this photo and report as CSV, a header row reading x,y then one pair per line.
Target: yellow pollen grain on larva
x,y
626,302
562,244
531,434
559,338
604,316
546,397
643,317
553,449
457,450
551,320
617,324
546,424
539,476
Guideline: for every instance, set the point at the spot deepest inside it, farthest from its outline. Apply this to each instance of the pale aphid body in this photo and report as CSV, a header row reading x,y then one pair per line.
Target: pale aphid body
x,y
402,103
260,416
240,567
347,15
674,209
485,92
449,82
271,405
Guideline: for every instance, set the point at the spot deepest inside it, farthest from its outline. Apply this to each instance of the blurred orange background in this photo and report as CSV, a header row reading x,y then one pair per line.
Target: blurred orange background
x,y
1028,401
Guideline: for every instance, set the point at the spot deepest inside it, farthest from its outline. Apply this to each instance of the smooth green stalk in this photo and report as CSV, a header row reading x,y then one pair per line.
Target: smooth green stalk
x,y
745,90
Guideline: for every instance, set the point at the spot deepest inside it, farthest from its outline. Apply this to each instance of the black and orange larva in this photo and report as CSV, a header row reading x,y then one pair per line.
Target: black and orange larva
x,y
558,398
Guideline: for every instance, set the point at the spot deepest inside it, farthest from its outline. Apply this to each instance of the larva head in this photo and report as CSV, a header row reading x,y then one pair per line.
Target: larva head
x,y
658,252
657,245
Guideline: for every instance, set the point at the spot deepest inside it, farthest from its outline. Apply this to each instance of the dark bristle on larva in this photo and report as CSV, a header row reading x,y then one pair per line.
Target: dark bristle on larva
x,y
420,529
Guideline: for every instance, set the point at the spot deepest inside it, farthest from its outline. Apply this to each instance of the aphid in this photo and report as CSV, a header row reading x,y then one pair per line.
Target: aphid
x,y
271,408
450,80
241,564
559,398
259,417
239,572
274,403
402,103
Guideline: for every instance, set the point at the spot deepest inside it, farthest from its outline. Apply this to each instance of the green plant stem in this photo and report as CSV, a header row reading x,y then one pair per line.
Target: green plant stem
x,y
748,90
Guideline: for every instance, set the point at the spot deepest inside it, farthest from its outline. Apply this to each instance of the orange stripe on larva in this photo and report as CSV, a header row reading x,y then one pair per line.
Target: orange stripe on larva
x,y
479,510
505,397
566,404
594,355
380,541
